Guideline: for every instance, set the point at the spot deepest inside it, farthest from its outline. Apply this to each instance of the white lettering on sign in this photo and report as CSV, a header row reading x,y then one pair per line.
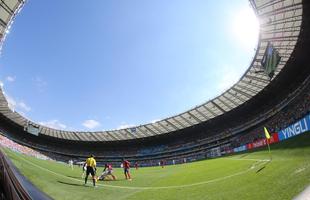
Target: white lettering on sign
x,y
295,129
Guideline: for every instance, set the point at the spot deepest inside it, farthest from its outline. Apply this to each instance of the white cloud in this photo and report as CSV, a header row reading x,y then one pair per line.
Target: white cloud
x,y
155,120
91,124
13,104
123,126
56,124
10,78
1,84
40,83
23,106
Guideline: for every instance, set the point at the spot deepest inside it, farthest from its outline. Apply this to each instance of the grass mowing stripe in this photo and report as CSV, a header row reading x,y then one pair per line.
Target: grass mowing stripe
x,y
260,162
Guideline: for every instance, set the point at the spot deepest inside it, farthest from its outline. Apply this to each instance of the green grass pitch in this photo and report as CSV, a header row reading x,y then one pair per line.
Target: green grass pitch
x,y
241,176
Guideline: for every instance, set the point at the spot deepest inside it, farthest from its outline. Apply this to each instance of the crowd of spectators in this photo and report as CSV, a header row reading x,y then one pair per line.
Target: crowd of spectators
x,y
291,113
5,142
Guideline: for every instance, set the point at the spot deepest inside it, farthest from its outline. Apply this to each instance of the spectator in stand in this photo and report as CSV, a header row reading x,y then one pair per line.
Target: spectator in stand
x,y
4,141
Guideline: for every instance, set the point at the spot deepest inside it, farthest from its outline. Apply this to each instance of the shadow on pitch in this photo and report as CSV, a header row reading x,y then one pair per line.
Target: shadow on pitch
x,y
262,168
75,177
72,184
110,180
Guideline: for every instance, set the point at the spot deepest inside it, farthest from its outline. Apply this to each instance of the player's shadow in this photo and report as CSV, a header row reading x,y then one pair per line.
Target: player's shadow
x,y
74,176
110,180
73,184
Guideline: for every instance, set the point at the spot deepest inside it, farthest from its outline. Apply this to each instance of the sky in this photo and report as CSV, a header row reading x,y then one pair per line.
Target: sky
x,y
104,65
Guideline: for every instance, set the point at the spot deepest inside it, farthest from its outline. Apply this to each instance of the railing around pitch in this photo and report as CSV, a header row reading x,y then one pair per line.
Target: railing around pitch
x,y
14,185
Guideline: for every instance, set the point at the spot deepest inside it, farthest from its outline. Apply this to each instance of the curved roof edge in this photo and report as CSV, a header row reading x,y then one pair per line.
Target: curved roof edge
x,y
280,24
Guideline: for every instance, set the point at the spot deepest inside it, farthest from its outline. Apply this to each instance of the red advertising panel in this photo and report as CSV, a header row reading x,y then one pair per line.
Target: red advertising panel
x,y
250,146
274,138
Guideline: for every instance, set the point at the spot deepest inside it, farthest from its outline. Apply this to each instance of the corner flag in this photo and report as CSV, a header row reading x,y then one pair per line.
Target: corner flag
x,y
266,133
268,137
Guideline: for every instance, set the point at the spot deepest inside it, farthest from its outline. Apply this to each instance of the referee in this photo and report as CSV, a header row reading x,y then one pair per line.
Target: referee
x,y
91,169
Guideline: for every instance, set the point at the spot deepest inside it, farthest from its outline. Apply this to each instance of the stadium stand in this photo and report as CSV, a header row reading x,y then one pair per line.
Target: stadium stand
x,y
293,107
233,119
5,142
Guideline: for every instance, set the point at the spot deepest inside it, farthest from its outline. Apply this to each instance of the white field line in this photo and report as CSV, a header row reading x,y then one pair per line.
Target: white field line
x,y
305,195
250,159
159,187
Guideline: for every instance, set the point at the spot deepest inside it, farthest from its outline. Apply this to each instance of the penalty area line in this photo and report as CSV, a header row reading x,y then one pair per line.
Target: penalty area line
x,y
154,187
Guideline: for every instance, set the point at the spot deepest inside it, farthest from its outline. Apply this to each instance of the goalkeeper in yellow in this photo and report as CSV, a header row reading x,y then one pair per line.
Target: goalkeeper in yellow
x,y
91,169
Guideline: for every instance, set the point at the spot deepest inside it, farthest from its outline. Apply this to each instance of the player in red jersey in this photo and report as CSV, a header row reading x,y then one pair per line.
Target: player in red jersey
x,y
126,166
136,165
108,170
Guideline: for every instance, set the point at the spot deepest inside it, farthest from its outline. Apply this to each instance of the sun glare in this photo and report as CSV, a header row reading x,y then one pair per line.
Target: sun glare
x,y
245,27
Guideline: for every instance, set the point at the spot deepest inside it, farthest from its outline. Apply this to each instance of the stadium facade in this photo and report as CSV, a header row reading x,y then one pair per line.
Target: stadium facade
x,y
219,126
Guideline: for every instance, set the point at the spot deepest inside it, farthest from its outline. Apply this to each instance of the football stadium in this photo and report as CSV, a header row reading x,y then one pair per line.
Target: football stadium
x,y
250,142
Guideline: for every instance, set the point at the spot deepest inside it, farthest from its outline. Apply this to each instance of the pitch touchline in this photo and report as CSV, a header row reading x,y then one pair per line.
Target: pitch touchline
x,y
159,187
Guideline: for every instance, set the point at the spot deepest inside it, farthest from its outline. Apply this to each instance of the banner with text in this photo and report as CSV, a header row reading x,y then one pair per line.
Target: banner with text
x,y
297,128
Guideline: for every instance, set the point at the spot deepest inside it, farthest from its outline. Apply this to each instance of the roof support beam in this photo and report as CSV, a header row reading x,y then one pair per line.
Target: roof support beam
x,y
42,130
295,18
94,135
200,113
76,135
177,121
247,88
290,38
226,104
241,92
100,136
163,126
267,4
112,135
154,133
171,124
65,135
153,126
253,84
6,8
119,135
193,116
217,106
209,110
142,133
2,23
189,122
229,99
130,133
281,10
257,79
282,30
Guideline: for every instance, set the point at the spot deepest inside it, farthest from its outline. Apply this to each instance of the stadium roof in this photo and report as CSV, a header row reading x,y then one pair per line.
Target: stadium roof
x,y
280,24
